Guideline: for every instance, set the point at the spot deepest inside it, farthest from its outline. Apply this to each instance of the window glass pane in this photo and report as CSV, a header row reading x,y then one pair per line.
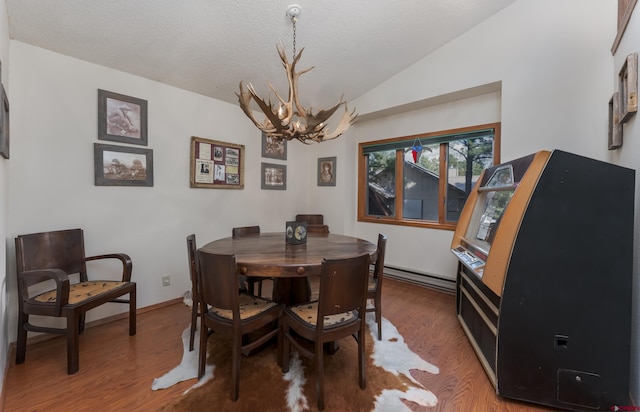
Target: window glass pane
x,y
381,183
467,158
421,183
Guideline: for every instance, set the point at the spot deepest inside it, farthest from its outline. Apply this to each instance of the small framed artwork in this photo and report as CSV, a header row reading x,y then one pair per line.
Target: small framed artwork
x,y
274,176
122,166
122,118
4,124
327,171
274,148
615,127
628,87
216,164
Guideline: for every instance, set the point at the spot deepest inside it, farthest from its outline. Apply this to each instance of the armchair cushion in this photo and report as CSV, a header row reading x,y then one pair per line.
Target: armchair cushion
x,y
79,292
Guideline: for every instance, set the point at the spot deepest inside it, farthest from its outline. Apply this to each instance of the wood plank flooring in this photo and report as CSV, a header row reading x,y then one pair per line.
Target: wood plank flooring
x,y
116,370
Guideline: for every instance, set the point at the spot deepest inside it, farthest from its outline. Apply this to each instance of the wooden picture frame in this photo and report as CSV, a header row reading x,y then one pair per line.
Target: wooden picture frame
x,y
274,148
615,127
628,87
216,165
327,171
274,176
122,166
4,124
122,118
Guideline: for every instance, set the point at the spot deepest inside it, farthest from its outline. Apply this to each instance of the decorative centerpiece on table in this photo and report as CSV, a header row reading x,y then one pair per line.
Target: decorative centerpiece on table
x,y
296,233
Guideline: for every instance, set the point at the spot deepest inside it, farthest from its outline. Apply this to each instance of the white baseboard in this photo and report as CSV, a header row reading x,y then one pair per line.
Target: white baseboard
x,y
425,279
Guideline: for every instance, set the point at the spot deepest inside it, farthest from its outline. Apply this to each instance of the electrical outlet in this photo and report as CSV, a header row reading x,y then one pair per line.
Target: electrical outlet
x,y
166,280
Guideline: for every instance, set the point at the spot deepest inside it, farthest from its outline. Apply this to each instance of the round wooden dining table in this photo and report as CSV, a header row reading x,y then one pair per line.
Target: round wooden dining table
x,y
269,255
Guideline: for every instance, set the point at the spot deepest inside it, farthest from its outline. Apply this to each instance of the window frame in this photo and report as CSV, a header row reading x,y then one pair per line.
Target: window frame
x,y
363,171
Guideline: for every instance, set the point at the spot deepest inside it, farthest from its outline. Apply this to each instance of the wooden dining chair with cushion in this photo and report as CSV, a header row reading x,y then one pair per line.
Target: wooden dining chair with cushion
x,y
58,256
251,280
339,312
374,291
227,312
195,300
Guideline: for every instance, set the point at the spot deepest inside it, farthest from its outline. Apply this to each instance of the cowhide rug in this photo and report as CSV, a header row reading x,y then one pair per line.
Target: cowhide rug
x,y
263,386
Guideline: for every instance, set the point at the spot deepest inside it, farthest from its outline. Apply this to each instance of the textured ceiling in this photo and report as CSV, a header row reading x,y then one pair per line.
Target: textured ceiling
x,y
208,46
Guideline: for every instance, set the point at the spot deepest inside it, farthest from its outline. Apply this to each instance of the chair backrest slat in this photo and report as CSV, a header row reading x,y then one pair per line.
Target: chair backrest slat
x,y
193,268
381,250
217,281
63,249
245,231
311,219
343,285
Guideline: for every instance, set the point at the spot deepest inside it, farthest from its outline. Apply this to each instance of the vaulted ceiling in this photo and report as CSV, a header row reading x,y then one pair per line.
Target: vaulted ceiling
x,y
209,46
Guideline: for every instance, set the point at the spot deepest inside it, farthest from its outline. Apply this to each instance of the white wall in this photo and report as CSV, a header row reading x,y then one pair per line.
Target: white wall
x,y
553,59
627,156
4,201
554,71
54,127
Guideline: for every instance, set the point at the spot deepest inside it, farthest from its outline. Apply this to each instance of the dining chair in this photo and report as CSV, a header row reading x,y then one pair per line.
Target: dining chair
x,y
311,219
225,311
374,291
339,312
251,280
195,300
56,257
318,229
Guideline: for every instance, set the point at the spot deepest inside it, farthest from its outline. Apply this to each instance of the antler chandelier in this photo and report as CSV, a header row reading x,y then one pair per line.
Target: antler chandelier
x,y
289,119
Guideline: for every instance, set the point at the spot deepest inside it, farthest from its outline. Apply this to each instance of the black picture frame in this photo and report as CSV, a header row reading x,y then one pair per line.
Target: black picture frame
x,y
122,166
4,124
274,176
274,148
327,171
122,118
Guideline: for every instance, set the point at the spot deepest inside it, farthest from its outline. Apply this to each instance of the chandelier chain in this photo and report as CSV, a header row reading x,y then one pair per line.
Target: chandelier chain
x,y
293,19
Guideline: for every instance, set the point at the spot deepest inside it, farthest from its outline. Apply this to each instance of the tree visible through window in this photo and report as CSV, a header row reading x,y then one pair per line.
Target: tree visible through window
x,y
432,190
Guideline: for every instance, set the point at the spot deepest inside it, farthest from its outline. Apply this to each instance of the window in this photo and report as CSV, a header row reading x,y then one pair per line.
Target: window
x,y
431,188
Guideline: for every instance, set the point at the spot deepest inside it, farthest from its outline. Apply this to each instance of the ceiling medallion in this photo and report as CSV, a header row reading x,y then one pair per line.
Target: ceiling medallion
x,y
289,119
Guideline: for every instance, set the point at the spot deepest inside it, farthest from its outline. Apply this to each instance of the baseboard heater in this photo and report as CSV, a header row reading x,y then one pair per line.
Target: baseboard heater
x,y
424,279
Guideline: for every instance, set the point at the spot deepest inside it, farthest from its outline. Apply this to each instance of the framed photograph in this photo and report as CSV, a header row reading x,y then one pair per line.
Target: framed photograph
x,y
4,124
615,127
274,148
216,164
628,87
327,171
122,118
122,166
274,177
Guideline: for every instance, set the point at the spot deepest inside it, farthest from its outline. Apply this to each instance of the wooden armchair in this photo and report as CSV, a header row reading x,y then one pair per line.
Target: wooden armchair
x,y
55,256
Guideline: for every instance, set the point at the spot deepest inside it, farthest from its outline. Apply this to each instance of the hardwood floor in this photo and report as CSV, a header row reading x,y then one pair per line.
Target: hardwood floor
x,y
116,370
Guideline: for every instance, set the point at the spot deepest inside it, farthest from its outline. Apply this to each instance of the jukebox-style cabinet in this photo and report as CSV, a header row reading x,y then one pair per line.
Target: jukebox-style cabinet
x,y
545,249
